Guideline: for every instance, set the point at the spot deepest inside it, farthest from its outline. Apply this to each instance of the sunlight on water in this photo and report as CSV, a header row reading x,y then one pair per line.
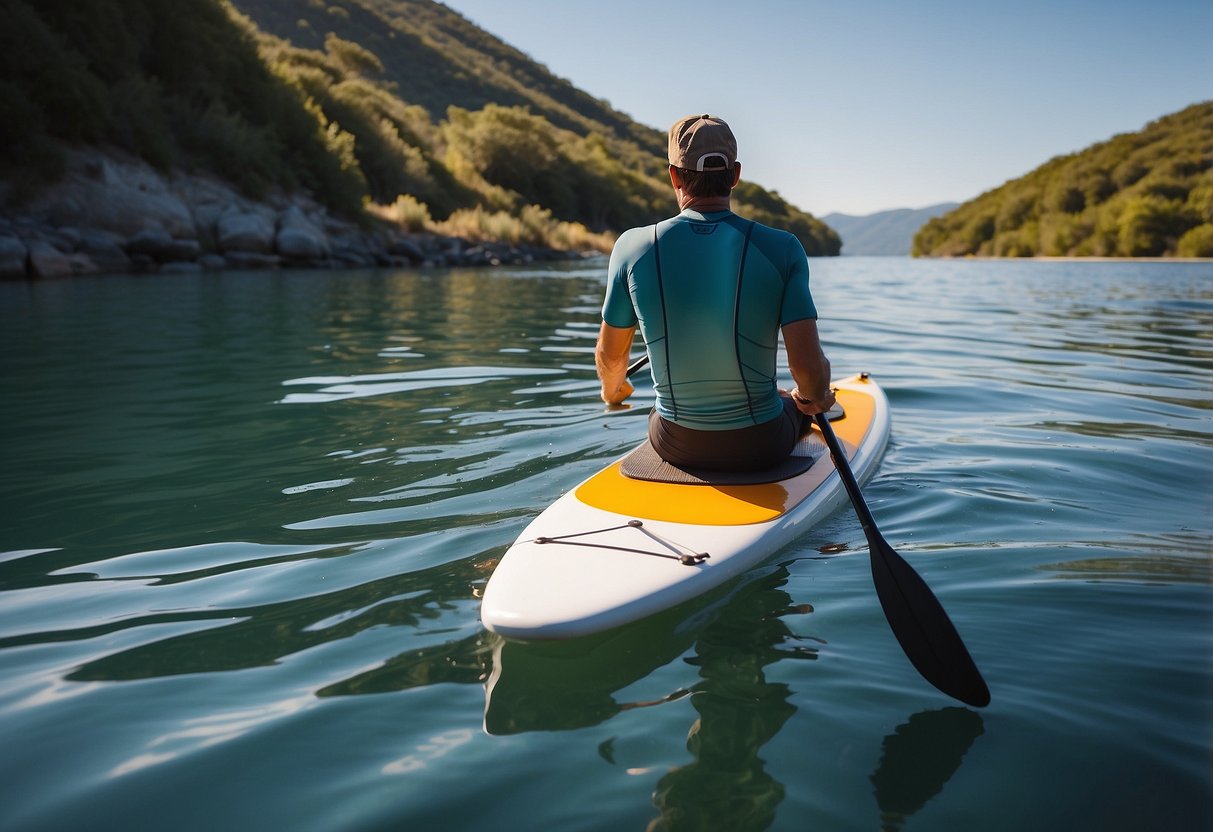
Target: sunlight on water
x,y
249,517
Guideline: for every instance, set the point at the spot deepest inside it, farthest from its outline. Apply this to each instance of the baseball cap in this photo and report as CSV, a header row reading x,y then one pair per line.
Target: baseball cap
x,y
702,142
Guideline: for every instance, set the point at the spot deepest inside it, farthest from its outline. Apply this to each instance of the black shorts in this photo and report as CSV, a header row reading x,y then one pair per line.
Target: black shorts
x,y
751,448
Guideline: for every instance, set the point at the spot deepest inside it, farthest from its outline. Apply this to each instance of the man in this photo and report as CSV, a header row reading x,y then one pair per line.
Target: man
x,y
710,292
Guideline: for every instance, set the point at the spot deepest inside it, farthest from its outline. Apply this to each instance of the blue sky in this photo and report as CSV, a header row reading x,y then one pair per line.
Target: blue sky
x,y
867,105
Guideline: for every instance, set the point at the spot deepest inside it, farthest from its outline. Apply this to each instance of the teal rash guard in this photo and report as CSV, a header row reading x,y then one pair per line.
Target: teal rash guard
x,y
710,293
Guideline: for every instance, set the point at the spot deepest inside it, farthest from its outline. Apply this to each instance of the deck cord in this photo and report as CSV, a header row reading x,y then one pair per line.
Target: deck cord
x,y
680,553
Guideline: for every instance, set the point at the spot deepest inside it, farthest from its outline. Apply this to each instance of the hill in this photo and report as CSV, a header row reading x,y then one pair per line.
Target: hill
x,y
1143,194
883,234
386,111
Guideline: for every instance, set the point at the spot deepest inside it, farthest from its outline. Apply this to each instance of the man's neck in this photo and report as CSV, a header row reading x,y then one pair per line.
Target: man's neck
x,y
704,204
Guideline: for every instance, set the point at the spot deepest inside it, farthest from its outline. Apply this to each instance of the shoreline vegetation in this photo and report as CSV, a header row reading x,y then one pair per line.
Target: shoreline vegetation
x,y
144,135
1143,194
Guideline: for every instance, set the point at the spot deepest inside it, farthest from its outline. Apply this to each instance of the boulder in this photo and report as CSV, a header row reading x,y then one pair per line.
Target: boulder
x,y
245,231
13,255
82,264
47,261
299,238
154,242
104,249
118,195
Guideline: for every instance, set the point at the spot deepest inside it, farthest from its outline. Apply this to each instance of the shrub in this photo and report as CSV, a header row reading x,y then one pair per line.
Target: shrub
x,y
1196,242
1149,226
406,212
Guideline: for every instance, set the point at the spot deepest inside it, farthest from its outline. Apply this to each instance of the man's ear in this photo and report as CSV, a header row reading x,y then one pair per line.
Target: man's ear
x,y
736,174
675,180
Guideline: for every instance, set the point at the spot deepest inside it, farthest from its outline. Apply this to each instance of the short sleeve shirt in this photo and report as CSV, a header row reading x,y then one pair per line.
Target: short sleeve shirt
x,y
710,293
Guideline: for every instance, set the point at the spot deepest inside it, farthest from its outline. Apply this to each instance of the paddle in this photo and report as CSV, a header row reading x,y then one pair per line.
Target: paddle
x,y
917,619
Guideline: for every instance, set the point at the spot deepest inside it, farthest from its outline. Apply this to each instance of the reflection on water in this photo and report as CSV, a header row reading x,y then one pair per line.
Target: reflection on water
x,y
727,785
918,760
562,685
567,686
1162,567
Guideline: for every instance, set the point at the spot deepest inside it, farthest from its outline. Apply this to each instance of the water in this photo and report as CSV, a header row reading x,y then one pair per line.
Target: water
x,y
247,517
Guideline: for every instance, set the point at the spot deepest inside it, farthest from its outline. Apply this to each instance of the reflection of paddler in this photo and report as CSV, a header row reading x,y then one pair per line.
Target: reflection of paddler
x,y
918,760
727,785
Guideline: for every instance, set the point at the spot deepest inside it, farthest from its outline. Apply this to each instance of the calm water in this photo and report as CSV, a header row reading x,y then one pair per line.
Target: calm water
x,y
247,518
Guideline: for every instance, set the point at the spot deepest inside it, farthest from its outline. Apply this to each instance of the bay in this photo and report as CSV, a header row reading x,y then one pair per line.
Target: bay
x,y
247,518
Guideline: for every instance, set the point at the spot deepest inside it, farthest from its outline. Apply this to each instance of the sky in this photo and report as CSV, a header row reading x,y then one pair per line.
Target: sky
x,y
863,106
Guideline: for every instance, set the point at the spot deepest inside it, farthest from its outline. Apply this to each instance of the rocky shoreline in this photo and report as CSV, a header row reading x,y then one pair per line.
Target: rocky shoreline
x,y
113,214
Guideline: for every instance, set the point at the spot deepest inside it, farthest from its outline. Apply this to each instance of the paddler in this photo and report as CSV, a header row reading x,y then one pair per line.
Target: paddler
x,y
711,292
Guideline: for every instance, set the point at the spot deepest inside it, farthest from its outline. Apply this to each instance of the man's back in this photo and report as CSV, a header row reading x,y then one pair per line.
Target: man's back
x,y
710,292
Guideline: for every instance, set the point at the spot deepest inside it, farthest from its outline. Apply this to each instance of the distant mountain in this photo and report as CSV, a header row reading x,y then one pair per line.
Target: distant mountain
x,y
887,233
1142,194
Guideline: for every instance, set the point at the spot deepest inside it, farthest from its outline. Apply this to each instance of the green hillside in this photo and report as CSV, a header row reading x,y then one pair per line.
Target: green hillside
x,y
1143,194
396,109
174,82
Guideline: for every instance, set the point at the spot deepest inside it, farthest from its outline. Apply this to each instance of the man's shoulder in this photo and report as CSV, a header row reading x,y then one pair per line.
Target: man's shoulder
x,y
772,239
634,240
769,231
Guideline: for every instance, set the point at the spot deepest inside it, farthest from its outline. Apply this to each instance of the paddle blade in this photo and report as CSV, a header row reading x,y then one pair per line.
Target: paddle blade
x,y
923,628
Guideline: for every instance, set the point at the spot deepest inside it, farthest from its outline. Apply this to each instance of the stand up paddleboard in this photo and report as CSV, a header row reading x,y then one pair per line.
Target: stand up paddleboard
x,y
641,536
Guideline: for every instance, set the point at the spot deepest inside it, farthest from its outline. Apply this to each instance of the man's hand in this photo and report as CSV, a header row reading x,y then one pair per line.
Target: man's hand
x,y
810,368
619,394
810,407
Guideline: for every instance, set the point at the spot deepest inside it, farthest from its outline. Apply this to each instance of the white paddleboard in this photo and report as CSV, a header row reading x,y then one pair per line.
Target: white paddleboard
x,y
615,549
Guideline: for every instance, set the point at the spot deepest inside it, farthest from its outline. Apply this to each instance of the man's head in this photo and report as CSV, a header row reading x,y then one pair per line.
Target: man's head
x,y
704,150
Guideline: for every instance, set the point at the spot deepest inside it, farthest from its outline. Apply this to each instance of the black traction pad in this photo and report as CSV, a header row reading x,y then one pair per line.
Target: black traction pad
x,y
644,464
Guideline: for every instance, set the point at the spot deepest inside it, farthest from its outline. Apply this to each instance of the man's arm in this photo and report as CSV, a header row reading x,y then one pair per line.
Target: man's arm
x,y
611,357
810,367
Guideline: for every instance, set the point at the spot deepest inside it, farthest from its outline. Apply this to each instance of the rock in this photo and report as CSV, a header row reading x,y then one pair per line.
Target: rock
x,y
299,238
104,249
184,250
402,247
158,245
113,213
82,264
245,231
354,249
150,241
47,261
252,260
66,239
13,255
112,194
208,199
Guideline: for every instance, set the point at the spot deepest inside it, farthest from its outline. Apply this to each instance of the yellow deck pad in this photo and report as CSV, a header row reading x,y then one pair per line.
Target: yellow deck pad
x,y
725,505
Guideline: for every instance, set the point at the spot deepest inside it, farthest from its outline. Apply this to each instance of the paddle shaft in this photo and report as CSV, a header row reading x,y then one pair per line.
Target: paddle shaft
x,y
866,520
638,364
